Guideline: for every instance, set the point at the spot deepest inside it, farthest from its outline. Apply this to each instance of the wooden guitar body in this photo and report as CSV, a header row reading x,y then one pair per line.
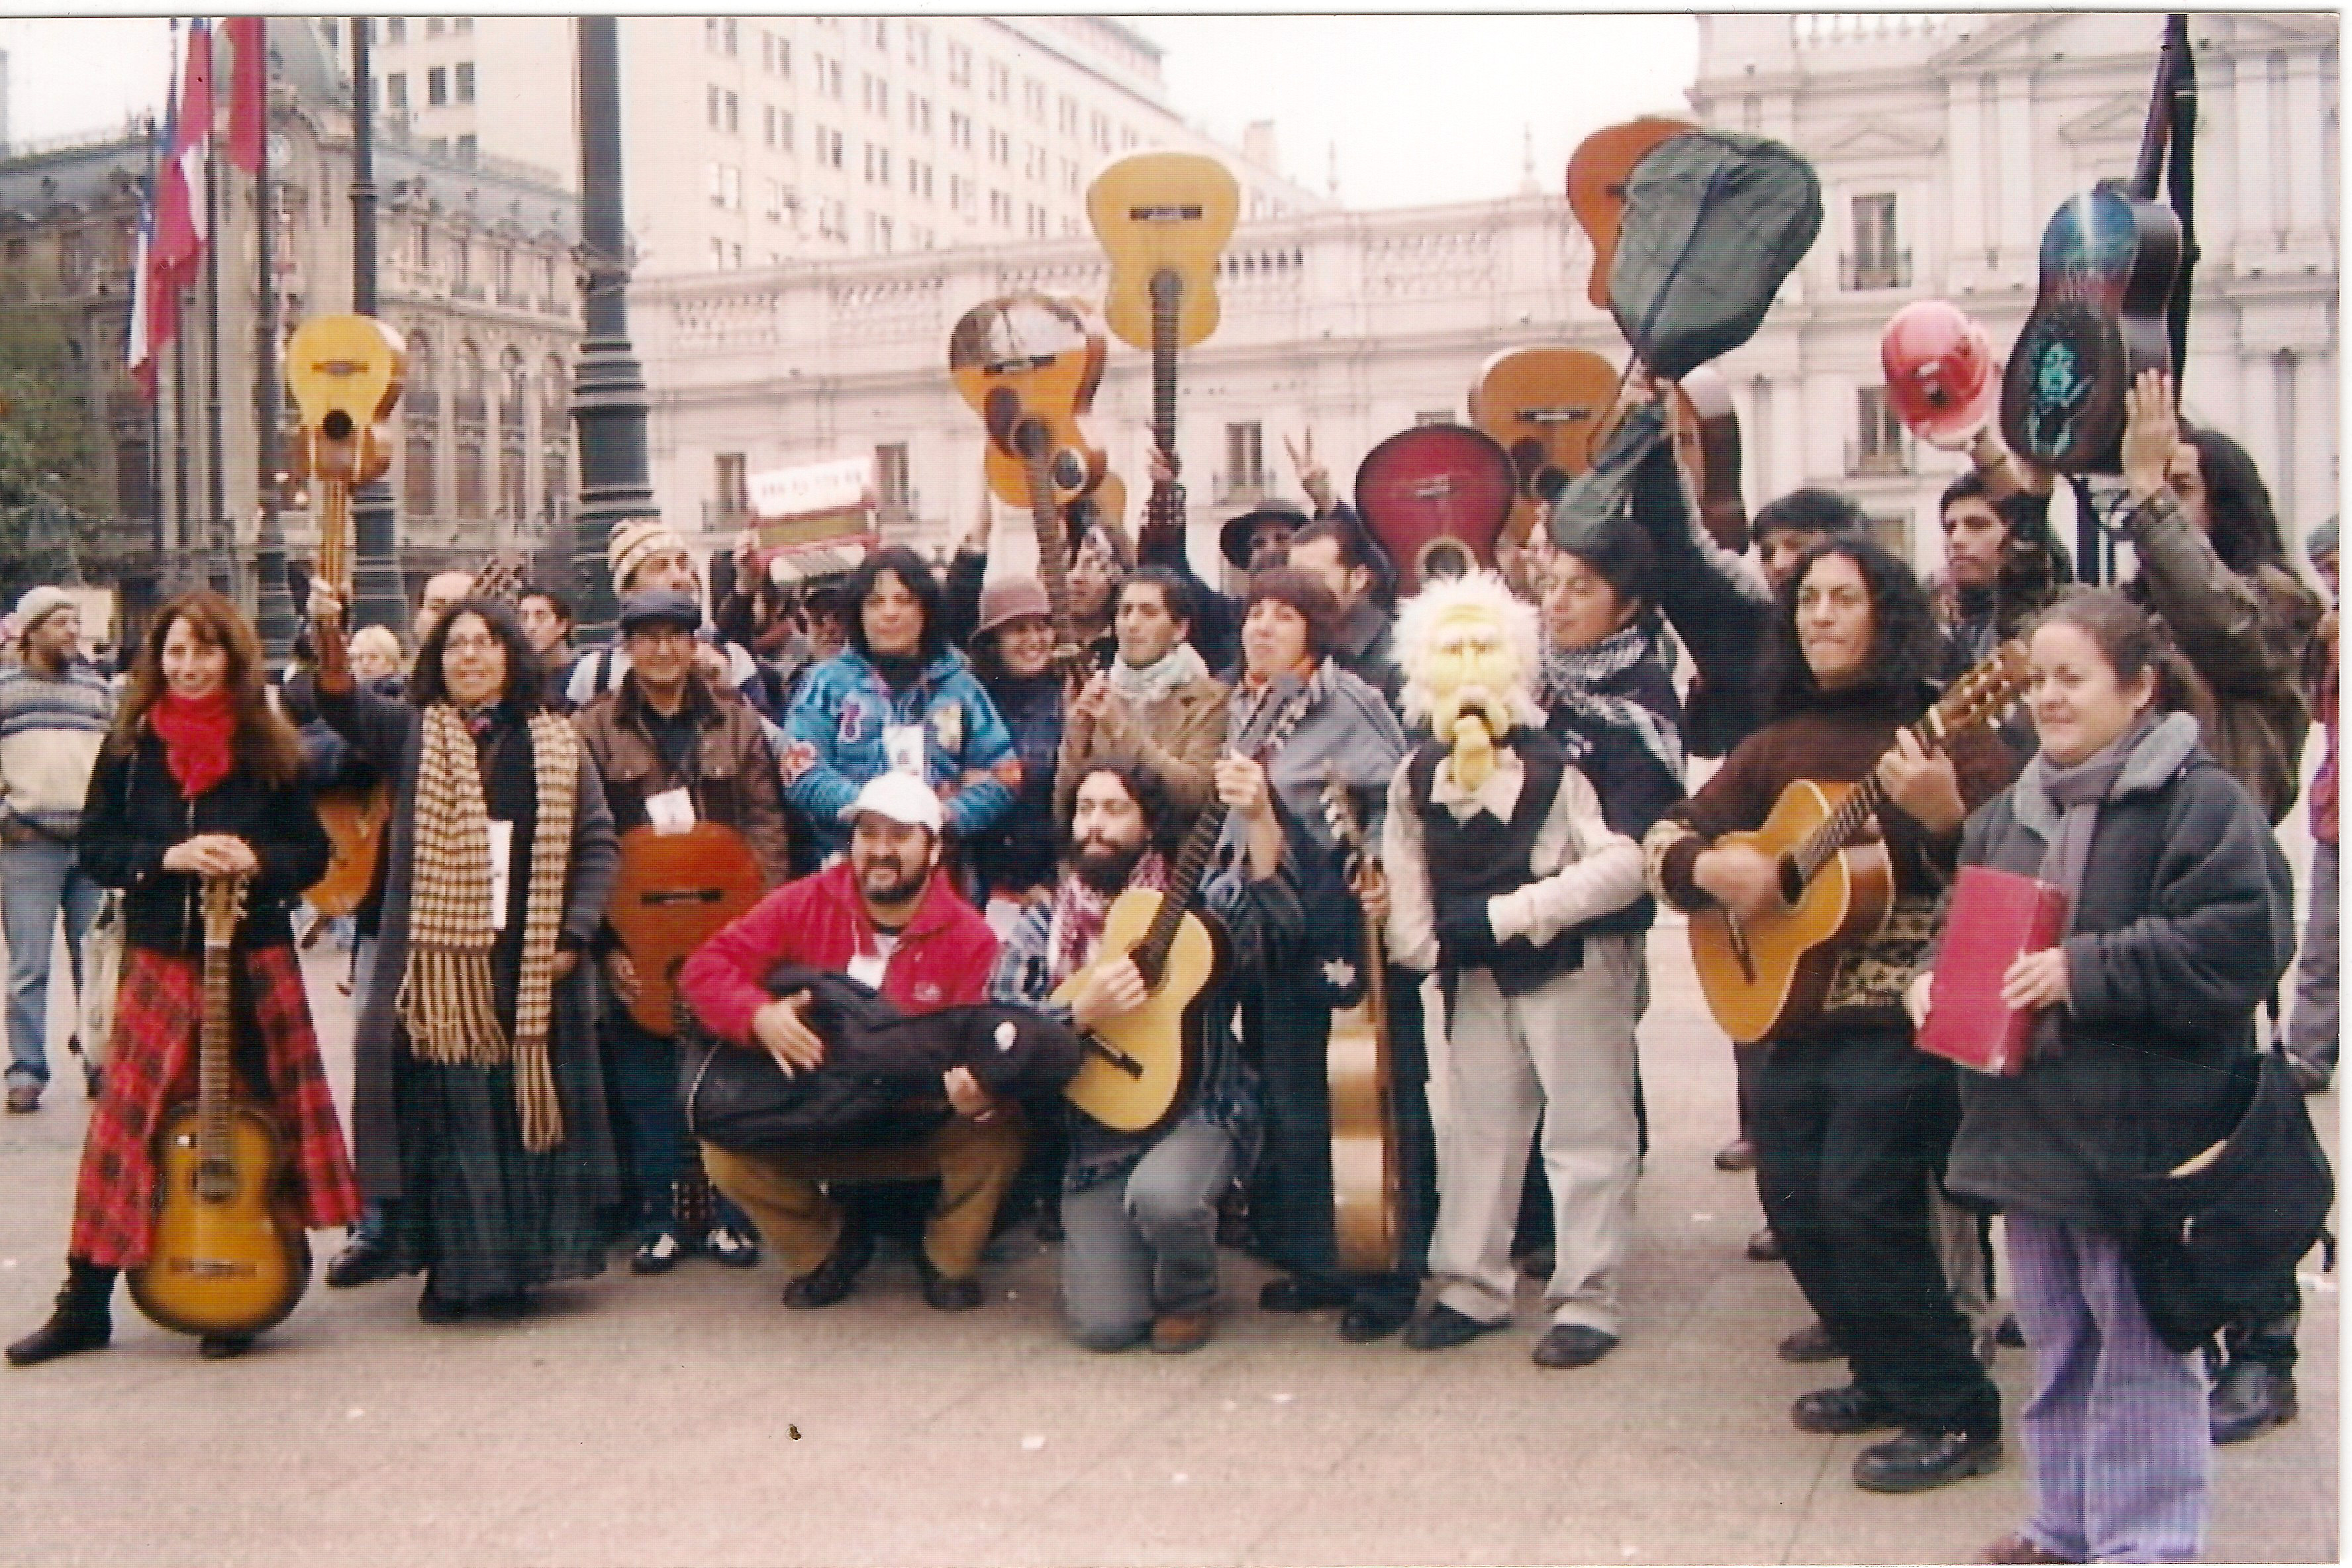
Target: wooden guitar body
x,y
1437,498
675,892
1762,976
2098,321
1597,172
355,821
1706,443
1028,365
1367,1158
229,1255
1161,1040
1163,215
1545,407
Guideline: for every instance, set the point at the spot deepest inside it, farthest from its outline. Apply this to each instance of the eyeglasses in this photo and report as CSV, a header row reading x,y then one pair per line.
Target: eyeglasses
x,y
472,642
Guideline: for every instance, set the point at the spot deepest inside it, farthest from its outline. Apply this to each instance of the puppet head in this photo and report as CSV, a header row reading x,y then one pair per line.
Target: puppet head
x,y
1470,654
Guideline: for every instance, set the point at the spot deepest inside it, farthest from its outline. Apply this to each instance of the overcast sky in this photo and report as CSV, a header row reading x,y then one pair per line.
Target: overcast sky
x,y
1419,108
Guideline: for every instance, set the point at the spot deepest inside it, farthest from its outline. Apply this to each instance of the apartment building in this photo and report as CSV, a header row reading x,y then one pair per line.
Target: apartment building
x,y
752,142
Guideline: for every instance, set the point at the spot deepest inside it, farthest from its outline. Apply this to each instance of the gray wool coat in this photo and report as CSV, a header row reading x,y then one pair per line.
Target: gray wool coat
x,y
390,736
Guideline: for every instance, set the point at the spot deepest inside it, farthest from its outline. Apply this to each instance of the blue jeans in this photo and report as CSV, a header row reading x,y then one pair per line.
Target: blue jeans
x,y
36,882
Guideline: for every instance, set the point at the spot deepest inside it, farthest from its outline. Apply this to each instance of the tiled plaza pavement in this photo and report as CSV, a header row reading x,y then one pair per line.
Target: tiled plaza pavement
x,y
691,1420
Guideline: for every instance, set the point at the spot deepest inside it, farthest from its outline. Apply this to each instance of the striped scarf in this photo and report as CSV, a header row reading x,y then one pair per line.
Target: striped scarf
x,y
1571,674
447,997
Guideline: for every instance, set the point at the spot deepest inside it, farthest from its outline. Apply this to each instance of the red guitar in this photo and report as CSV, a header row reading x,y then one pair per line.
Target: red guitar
x,y
1437,498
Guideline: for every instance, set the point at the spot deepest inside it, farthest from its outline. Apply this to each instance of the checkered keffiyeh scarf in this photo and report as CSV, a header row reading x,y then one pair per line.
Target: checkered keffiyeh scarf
x,y
1080,911
1571,674
447,998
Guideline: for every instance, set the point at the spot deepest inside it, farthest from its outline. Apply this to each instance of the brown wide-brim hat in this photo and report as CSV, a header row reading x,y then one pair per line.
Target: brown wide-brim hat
x,y
1234,538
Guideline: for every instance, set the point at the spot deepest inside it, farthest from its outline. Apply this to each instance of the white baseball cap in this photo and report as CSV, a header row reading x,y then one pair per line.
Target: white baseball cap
x,y
901,797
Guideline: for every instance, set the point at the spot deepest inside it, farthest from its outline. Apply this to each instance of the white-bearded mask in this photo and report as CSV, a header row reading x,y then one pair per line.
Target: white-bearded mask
x,y
1469,651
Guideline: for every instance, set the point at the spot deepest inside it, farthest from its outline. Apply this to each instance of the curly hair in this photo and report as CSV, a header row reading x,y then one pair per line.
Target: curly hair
x,y
525,686
1905,647
913,575
1144,785
264,739
2245,530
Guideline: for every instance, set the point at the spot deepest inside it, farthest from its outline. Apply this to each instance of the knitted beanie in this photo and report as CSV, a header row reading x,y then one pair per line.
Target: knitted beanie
x,y
631,543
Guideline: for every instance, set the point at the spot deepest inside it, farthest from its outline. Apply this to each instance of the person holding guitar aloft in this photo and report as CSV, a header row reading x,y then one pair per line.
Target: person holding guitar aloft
x,y
1851,1123
1139,1209
668,743
479,1105
198,778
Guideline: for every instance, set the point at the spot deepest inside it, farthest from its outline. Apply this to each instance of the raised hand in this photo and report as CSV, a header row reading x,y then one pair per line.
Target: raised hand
x,y
1313,477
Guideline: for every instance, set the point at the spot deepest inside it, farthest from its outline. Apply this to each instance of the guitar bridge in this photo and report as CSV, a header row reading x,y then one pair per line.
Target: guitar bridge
x,y
1172,213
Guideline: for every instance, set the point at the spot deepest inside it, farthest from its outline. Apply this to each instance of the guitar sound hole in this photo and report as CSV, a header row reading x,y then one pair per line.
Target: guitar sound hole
x,y
336,426
1792,884
1002,407
1550,485
1527,455
1068,472
1444,559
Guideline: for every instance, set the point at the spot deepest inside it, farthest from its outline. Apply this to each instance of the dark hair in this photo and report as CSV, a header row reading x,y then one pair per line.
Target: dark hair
x,y
1144,786
555,601
1906,648
1969,486
917,577
263,740
525,684
2245,530
1811,510
1619,553
2128,636
1353,556
1303,592
1174,596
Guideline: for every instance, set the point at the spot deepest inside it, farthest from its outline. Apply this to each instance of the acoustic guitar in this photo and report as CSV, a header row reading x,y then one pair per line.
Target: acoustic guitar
x,y
1367,1163
675,892
2109,257
1140,1066
1028,366
1437,498
1765,976
346,373
1163,220
229,1254
1544,407
1706,430
1597,172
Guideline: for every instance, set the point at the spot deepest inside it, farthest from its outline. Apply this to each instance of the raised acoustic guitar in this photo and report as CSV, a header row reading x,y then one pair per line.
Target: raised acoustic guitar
x,y
1763,977
1028,365
2108,259
675,892
1597,172
229,1255
1367,1163
1436,496
1163,220
1545,407
346,374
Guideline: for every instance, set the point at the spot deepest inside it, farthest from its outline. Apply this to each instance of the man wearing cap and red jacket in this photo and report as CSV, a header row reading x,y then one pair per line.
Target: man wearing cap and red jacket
x,y
884,917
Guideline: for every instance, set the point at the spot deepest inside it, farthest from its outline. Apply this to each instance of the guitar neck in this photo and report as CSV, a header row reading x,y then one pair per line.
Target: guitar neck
x,y
2156,135
212,1052
1166,291
1152,953
1844,824
1052,549
334,562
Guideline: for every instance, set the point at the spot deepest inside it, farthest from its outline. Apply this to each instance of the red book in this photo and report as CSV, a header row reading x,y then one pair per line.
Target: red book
x,y
1995,916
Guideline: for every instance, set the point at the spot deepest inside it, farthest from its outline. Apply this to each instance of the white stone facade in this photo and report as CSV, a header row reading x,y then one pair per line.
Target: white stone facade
x,y
1357,324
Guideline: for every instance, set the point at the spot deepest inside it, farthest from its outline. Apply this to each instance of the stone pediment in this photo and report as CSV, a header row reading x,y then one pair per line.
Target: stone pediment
x,y
2120,119
2005,40
1878,136
2266,30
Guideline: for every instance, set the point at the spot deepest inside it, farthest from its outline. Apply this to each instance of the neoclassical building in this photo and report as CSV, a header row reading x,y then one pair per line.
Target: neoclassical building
x,y
1942,144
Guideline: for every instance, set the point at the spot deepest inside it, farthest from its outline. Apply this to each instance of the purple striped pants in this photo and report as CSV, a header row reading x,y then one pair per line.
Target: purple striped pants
x,y
2116,1434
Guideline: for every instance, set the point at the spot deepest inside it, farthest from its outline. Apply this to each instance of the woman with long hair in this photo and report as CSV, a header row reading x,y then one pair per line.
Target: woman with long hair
x,y
2178,903
478,1110
199,778
1851,1121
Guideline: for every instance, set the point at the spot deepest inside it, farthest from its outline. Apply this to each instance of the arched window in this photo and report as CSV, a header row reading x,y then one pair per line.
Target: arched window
x,y
514,410
421,422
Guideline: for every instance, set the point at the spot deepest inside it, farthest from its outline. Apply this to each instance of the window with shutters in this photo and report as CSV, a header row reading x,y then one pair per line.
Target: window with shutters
x,y
1880,445
1875,261
1244,475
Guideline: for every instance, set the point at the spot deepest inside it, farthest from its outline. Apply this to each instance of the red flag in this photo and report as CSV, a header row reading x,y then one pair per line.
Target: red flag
x,y
248,90
181,219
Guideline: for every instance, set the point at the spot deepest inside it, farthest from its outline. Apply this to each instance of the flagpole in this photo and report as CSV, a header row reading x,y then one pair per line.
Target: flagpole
x,y
379,599
178,379
142,300
215,487
273,610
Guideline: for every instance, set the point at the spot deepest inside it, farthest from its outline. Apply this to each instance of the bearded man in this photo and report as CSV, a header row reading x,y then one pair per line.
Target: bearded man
x,y
1497,857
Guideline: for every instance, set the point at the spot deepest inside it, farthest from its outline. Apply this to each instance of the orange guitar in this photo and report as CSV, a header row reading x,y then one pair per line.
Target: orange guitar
x,y
1546,407
1597,172
1764,976
675,892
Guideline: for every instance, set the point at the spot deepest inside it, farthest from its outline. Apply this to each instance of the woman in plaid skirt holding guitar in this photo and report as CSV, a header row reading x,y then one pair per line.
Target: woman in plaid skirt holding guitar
x,y
199,779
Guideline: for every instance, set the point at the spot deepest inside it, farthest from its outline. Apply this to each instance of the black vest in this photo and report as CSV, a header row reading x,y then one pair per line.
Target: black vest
x,y
1473,862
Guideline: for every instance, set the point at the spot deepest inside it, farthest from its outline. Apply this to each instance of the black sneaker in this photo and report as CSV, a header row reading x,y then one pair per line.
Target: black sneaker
x,y
365,1259
1813,1343
1573,1344
731,1246
1918,1461
942,1294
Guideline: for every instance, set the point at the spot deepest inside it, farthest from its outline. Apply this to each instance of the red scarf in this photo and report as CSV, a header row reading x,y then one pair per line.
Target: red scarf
x,y
196,733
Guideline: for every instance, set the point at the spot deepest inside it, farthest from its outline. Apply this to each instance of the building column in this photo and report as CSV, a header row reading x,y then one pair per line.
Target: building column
x,y
2307,209
2019,239
1963,133
2249,86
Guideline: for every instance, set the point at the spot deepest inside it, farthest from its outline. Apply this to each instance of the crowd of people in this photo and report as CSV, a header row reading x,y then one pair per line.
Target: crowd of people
x,y
945,815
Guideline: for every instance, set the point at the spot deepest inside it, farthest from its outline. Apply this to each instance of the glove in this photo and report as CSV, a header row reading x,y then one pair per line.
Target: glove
x,y
1465,939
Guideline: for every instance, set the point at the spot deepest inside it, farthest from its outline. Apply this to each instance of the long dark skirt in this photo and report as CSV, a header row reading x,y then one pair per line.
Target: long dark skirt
x,y
486,1216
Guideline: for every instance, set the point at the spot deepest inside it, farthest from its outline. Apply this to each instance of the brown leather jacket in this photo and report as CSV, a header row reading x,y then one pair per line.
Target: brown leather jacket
x,y
1178,738
732,774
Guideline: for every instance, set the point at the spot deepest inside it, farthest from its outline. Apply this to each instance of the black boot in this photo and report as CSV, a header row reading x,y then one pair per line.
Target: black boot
x,y
81,1321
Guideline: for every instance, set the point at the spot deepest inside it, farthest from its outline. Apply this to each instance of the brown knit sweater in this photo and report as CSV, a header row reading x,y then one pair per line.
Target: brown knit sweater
x,y
1836,743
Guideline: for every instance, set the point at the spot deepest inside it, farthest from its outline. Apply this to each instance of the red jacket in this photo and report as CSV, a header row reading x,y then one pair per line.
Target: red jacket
x,y
942,960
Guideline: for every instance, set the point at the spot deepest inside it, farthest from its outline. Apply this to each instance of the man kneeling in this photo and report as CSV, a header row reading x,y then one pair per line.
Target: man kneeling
x,y
1139,1210
885,917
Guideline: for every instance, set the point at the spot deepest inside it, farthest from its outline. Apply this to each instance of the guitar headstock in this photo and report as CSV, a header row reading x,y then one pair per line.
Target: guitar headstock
x,y
1340,811
224,903
1986,690
346,373
504,578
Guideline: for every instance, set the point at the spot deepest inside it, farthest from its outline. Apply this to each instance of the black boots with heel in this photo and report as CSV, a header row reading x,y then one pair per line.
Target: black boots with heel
x,y
81,1321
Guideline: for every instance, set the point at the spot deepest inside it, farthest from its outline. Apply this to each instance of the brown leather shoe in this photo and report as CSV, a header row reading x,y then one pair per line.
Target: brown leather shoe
x,y
2019,1547
1180,1333
1811,1343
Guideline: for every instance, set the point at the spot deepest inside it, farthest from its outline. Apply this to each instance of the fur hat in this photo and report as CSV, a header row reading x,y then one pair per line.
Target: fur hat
x,y
634,541
38,603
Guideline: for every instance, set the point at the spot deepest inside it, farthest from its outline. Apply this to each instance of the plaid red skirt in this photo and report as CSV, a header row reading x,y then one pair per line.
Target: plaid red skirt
x,y
150,1067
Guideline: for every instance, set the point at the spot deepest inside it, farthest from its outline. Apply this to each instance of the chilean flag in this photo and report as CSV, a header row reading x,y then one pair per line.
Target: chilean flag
x,y
154,300
248,81
181,218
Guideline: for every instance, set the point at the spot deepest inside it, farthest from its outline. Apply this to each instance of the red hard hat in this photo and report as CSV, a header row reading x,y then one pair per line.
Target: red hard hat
x,y
1940,375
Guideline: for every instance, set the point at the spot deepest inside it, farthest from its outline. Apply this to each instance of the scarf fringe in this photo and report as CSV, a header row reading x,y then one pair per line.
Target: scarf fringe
x,y
450,1003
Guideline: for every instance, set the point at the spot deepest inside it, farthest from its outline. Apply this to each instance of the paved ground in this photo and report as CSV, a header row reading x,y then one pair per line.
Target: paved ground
x,y
691,1420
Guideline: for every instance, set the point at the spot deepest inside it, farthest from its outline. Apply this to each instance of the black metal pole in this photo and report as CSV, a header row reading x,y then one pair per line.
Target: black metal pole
x,y
154,403
380,599
179,570
273,616
608,395
2182,156
216,506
